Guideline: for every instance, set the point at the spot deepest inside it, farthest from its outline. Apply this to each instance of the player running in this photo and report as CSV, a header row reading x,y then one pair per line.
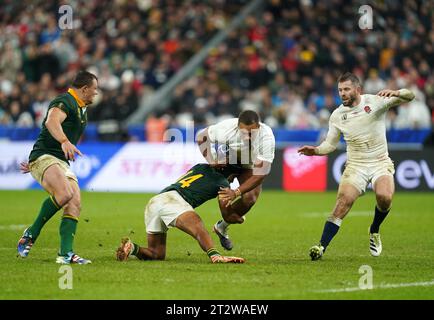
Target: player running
x,y
361,120
61,130
250,145
173,207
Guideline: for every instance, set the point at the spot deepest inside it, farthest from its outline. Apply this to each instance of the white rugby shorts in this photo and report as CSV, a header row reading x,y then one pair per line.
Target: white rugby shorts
x,y
360,175
163,209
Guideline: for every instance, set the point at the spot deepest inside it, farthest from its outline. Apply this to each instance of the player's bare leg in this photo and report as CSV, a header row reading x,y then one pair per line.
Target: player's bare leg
x,y
191,223
68,227
347,195
384,189
56,184
234,213
73,207
156,249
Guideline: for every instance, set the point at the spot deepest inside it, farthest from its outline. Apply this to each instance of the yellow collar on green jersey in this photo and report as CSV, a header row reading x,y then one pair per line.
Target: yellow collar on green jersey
x,y
80,102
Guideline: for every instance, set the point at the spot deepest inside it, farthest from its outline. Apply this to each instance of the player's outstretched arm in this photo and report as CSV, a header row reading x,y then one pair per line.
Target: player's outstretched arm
x,y
327,146
396,97
307,150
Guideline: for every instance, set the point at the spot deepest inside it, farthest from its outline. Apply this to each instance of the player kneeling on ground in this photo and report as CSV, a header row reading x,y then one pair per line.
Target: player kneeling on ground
x,y
173,207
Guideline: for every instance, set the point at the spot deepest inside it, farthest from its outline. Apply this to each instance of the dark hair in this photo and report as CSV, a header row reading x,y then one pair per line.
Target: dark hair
x,y
349,76
83,78
248,117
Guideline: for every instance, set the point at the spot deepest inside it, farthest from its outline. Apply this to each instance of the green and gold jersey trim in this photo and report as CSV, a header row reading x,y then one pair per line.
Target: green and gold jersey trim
x,y
80,102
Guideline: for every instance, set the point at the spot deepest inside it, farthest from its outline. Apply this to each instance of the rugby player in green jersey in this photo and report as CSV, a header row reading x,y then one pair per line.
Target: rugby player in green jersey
x,y
174,207
48,163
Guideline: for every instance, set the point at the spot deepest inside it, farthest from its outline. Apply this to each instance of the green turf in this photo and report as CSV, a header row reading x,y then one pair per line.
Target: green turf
x,y
274,240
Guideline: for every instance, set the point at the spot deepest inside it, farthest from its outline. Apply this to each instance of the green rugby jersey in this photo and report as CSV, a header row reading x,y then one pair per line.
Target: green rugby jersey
x,y
73,126
200,184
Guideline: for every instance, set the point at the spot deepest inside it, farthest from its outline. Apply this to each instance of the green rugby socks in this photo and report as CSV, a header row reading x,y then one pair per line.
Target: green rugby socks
x,y
48,210
67,230
212,252
135,249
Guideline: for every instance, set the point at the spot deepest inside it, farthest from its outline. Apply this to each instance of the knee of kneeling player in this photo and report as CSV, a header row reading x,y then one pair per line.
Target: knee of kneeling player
x,y
158,255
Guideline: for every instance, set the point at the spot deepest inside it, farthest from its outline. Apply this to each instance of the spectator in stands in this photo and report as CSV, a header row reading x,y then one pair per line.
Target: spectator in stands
x,y
150,40
283,61
309,53
18,117
156,126
10,61
374,83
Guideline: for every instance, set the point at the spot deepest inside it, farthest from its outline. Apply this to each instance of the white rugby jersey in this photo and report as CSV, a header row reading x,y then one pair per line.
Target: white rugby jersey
x,y
262,145
363,127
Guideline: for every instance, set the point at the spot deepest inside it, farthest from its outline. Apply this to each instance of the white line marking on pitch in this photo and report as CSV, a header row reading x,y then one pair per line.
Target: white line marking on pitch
x,y
13,227
327,213
381,286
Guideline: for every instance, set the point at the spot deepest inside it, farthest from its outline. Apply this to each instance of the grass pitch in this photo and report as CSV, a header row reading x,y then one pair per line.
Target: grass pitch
x,y
274,240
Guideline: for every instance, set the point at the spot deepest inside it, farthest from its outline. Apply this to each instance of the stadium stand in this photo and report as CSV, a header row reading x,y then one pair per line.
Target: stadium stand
x,y
283,62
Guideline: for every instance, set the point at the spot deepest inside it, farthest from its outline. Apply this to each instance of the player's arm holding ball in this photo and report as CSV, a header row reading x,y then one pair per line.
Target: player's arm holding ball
x,y
205,146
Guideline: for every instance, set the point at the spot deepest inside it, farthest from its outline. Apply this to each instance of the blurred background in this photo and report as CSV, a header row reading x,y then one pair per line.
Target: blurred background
x,y
163,64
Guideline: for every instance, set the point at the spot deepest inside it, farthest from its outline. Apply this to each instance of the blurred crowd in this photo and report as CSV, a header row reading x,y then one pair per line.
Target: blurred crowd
x,y
133,47
283,61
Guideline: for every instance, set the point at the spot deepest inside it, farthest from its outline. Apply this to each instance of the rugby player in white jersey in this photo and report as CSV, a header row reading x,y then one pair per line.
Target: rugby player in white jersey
x,y
361,120
248,147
